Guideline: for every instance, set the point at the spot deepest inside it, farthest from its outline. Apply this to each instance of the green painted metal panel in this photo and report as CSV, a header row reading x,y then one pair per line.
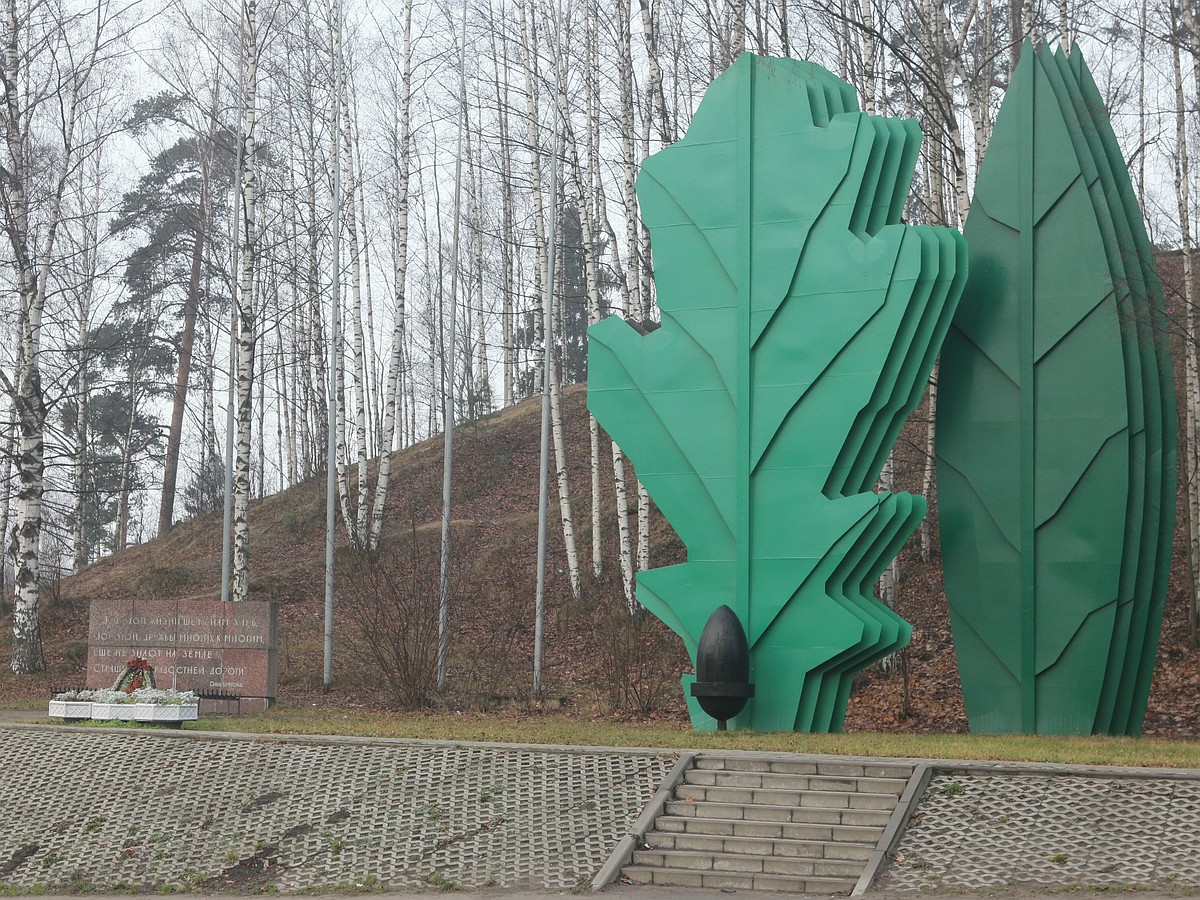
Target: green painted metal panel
x,y
1031,220
1051,428
1141,523
1151,317
800,320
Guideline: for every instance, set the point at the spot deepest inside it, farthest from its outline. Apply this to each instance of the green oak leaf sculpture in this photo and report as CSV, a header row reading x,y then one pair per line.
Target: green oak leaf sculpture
x,y
800,321
1056,418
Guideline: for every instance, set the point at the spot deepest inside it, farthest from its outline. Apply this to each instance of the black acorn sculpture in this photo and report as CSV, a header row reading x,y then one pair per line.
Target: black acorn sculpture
x,y
722,684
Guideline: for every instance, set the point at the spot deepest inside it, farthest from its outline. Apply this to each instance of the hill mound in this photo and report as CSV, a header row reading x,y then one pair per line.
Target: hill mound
x,y
597,660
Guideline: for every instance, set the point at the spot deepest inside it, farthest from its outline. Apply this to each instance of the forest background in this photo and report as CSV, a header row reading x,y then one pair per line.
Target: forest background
x,y
170,173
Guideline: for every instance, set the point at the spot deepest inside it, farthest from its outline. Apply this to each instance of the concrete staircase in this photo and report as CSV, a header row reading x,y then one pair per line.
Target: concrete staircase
x,y
774,825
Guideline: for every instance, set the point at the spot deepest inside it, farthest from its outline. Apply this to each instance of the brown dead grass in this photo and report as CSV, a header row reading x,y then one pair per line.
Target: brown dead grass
x,y
495,490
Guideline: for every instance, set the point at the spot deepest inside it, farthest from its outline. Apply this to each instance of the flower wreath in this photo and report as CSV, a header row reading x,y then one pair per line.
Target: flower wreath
x,y
138,674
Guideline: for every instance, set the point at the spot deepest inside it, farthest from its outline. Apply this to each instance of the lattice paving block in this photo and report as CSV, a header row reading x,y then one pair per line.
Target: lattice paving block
x,y
1058,831
336,812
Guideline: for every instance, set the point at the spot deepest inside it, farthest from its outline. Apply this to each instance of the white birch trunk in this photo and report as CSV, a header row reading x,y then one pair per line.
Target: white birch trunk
x,y
483,387
31,272
342,444
26,656
655,91
1191,363
889,579
6,498
630,285
89,257
291,392
1028,13
500,83
81,549
628,278
287,426
625,545
260,431
870,53
399,282
27,398
587,183
645,269
373,374
6,547
357,528
475,362
643,546
590,216
433,301
507,286
929,473
560,473
544,251
845,44
646,293
208,366
957,148
121,537
337,322
246,319
1141,68
316,385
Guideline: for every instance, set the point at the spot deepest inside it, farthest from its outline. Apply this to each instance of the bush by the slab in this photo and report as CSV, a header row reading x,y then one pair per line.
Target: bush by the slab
x,y
391,602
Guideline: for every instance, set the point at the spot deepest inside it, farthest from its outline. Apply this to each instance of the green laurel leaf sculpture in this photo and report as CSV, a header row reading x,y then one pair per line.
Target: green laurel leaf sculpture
x,y
1056,449
800,321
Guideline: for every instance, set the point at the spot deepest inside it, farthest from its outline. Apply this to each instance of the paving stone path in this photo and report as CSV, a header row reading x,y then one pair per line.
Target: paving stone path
x,y
115,811
98,810
975,832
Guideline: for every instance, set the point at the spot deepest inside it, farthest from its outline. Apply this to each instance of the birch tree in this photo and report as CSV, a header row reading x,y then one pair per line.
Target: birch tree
x,y
8,442
357,526
399,234
88,206
53,72
585,187
1184,27
628,280
245,306
500,81
556,426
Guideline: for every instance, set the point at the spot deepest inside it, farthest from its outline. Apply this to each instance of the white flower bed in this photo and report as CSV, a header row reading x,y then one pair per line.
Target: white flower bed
x,y
141,695
143,705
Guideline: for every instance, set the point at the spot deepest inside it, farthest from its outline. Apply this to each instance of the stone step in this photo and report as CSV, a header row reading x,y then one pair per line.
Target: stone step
x,y
796,884
788,782
761,796
804,767
758,846
867,835
817,815
755,865
768,824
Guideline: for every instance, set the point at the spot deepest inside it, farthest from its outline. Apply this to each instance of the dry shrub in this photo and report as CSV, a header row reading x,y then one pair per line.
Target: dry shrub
x,y
392,603
493,664
640,659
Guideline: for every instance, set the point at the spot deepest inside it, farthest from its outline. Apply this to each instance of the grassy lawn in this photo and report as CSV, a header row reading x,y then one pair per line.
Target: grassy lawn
x,y
574,731
550,729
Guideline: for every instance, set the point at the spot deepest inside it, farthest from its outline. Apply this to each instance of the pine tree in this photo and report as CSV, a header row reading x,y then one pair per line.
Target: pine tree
x,y
174,207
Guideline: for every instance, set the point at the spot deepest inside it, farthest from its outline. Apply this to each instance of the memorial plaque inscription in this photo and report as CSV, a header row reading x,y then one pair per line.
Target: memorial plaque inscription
x,y
197,645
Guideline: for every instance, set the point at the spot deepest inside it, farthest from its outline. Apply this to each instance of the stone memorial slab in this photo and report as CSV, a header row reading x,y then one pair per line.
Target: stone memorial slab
x,y
196,645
